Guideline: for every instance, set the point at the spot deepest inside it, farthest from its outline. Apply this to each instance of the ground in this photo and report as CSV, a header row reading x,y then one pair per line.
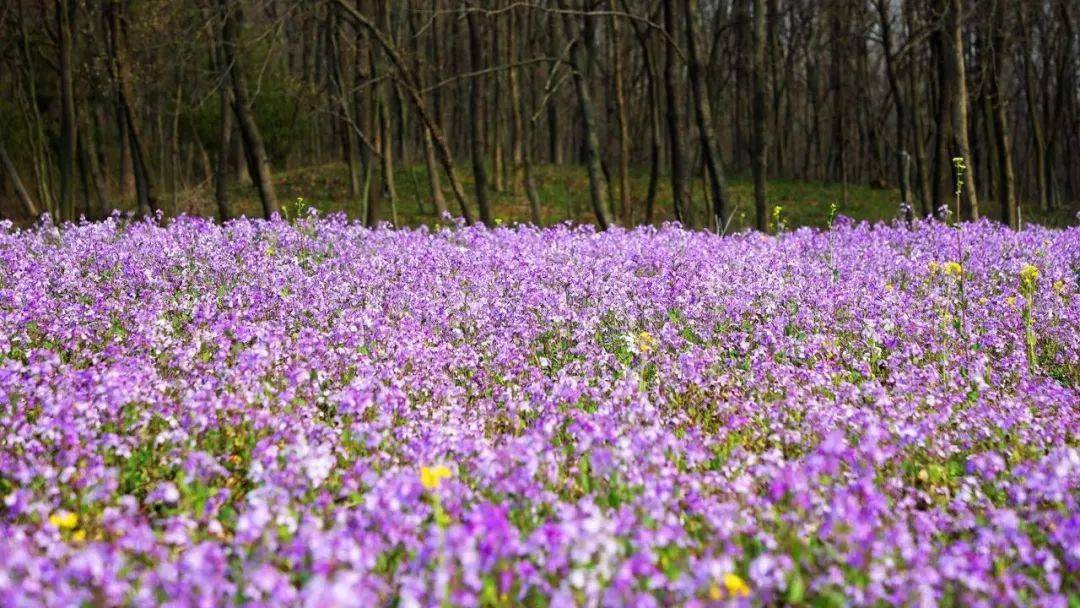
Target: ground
x,y
564,194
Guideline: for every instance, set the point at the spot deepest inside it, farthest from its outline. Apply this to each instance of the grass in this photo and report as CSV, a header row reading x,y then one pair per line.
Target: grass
x,y
564,195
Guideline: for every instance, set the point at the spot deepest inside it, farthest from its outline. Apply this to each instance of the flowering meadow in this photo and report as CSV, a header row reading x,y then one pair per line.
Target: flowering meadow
x,y
314,413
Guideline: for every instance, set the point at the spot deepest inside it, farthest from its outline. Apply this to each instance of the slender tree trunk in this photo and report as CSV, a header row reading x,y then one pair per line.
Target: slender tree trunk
x,y
344,122
597,186
118,68
97,199
956,79
1010,211
174,142
429,147
259,164
760,142
1036,134
34,122
13,175
225,129
476,117
709,148
679,190
898,100
411,90
918,131
523,173
943,119
620,114
1065,83
641,31
493,108
68,123
375,177
386,137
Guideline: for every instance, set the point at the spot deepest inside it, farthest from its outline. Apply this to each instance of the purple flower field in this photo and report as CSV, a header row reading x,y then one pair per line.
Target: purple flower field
x,y
314,413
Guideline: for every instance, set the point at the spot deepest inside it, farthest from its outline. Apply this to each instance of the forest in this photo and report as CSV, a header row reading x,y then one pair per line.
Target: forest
x,y
403,111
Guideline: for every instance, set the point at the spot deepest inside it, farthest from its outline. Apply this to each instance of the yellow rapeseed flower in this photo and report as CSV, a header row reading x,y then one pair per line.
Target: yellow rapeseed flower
x,y
1059,286
64,520
645,342
735,585
953,268
79,536
715,594
1028,275
431,477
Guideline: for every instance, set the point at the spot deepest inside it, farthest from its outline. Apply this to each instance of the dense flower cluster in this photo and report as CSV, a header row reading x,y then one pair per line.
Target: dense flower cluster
x,y
316,413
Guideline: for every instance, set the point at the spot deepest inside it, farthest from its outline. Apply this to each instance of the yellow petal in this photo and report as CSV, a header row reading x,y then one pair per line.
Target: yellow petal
x,y
64,520
736,586
431,477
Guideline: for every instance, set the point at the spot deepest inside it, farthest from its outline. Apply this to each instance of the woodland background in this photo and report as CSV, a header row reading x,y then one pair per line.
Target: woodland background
x,y
711,112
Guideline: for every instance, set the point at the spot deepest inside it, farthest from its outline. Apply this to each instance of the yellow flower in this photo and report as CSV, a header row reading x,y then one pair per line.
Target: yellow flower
x,y
79,536
715,594
1011,301
431,477
64,520
888,287
645,342
1028,275
1059,286
736,586
933,267
953,268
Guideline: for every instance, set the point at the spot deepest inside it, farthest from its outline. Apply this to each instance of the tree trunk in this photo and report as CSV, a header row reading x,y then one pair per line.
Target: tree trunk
x,y
259,164
641,31
1010,212
680,193
434,182
411,90
703,111
585,107
68,124
898,100
344,122
386,137
20,191
620,115
93,180
476,117
956,79
225,129
494,110
523,174
760,142
943,119
555,154
118,69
